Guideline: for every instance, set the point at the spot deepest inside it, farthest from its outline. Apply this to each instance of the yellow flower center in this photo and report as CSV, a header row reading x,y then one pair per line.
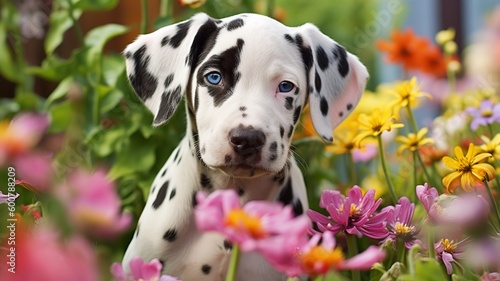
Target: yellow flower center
x,y
241,220
319,260
402,229
354,210
449,245
487,113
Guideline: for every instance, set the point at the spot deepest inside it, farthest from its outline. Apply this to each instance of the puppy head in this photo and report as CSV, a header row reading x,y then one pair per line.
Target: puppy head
x,y
246,80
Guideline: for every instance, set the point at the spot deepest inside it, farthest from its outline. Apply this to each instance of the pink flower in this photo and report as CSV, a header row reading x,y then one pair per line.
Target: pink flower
x,y
140,270
399,222
366,154
320,255
35,169
5,198
354,214
428,197
23,132
448,251
41,254
266,227
93,204
494,276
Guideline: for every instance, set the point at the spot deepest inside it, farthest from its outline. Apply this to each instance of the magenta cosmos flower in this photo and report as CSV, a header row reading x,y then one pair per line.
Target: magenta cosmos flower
x,y
354,214
448,251
399,222
268,228
93,204
321,255
42,254
140,271
428,197
487,113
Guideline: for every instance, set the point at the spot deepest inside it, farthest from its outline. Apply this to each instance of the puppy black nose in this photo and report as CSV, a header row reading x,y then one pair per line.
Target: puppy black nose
x,y
246,141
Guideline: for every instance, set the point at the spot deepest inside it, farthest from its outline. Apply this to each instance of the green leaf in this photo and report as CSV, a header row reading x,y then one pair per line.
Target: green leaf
x,y
113,66
108,98
60,91
59,23
95,4
8,107
162,21
426,270
109,142
61,115
99,36
138,156
9,70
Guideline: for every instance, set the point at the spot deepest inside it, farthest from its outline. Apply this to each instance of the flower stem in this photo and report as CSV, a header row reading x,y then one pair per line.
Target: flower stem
x,y
352,248
429,177
145,16
270,8
386,172
493,201
415,164
78,29
233,264
430,243
352,169
414,126
412,253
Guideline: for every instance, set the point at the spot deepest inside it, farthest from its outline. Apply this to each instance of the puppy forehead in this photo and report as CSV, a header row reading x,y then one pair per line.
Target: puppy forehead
x,y
264,42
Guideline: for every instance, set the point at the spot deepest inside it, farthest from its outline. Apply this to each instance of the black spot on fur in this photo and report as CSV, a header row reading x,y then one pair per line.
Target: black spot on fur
x,y
170,235
128,55
349,106
203,42
227,63
296,114
193,199
177,154
162,263
298,209
290,131
169,80
137,230
228,159
172,194
307,58
343,66
282,131
280,176
153,189
143,82
165,40
235,24
206,269
160,197
244,115
240,191
196,99
182,30
205,181
228,245
243,108
289,103
323,106
273,147
286,194
322,58
203,150
317,82
341,114
168,104
289,38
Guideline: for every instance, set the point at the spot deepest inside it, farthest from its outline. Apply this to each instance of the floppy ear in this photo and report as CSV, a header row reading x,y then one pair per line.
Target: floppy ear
x,y
337,81
160,64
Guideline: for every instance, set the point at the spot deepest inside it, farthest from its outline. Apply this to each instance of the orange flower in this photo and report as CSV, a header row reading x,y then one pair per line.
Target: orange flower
x,y
403,47
433,62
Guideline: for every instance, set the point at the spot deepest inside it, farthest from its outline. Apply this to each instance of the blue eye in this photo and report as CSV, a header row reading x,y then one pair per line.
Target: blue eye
x,y
213,77
285,86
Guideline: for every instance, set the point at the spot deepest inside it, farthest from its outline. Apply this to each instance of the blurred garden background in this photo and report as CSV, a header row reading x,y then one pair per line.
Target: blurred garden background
x,y
79,153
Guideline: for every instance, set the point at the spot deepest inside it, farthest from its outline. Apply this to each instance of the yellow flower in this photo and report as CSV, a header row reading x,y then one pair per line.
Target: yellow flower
x,y
406,94
343,142
468,171
375,123
491,146
444,36
413,141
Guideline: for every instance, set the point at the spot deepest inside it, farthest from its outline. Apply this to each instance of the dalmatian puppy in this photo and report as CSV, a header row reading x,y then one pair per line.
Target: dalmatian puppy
x,y
245,80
